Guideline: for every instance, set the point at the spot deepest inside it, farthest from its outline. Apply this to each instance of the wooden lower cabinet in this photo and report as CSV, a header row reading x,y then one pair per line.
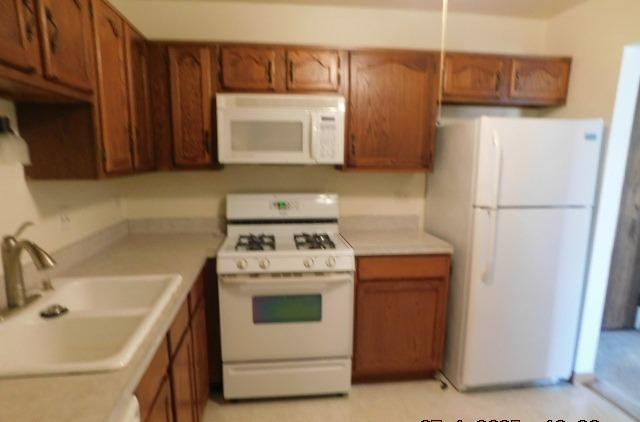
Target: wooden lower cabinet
x,y
176,384
201,357
400,319
183,382
162,409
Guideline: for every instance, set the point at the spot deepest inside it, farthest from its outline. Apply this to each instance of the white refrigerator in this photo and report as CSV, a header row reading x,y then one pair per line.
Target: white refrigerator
x,y
515,197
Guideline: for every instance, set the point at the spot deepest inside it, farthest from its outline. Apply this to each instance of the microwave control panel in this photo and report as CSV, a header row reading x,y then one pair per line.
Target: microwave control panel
x,y
327,133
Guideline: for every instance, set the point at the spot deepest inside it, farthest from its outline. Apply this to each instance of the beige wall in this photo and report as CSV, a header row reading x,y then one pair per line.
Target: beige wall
x,y
91,206
329,25
594,34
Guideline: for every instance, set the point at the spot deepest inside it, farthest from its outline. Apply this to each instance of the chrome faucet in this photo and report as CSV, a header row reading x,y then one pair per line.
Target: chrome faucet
x,y
12,248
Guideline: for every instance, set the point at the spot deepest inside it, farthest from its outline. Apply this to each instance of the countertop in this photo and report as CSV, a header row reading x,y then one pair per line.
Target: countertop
x,y
395,242
94,397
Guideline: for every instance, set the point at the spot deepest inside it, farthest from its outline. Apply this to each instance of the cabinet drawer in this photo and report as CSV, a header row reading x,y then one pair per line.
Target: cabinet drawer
x,y
151,381
403,267
178,328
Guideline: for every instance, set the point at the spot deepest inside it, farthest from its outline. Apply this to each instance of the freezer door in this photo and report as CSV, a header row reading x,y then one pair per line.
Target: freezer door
x,y
526,284
537,162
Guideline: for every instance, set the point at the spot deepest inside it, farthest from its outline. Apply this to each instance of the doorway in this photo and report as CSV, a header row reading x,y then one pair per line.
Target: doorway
x,y
617,368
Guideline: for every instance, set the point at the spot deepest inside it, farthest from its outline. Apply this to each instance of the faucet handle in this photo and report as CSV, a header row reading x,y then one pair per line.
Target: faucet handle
x,y
24,226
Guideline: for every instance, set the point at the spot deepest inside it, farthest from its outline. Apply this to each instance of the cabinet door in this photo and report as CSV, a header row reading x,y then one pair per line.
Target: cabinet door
x,y
66,39
312,70
183,382
201,358
248,68
18,35
113,94
191,97
474,78
162,409
392,117
400,326
143,151
540,81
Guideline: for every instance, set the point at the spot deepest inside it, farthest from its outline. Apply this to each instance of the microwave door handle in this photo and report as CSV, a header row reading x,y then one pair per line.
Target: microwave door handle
x,y
314,137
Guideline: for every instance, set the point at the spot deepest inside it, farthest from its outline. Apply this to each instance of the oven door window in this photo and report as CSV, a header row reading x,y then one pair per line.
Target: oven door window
x,y
286,309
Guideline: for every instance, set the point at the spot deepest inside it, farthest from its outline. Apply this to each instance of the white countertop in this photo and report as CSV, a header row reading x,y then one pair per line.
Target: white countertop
x,y
395,242
93,397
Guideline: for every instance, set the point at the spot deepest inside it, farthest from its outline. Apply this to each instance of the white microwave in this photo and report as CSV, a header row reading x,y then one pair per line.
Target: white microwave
x,y
280,129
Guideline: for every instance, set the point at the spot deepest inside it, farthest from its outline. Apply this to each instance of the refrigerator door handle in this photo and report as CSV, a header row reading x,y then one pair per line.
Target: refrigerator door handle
x,y
498,168
491,248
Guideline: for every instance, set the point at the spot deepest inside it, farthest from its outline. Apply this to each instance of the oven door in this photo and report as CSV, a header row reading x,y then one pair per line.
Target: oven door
x,y
263,136
277,317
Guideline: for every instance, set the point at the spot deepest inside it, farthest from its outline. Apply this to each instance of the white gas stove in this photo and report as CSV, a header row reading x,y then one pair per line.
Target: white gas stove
x,y
286,297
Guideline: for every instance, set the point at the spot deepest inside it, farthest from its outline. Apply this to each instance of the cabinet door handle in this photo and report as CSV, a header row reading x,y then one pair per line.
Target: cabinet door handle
x,y
207,147
54,32
270,72
517,80
353,145
498,81
291,71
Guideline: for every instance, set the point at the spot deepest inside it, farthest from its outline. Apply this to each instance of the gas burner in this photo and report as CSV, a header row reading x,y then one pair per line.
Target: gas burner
x,y
252,242
313,241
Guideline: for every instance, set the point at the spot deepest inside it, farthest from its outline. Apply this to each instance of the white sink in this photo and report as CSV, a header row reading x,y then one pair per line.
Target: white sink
x,y
107,321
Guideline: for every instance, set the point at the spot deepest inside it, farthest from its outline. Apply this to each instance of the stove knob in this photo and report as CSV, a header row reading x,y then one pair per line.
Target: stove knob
x,y
264,263
242,264
331,262
308,263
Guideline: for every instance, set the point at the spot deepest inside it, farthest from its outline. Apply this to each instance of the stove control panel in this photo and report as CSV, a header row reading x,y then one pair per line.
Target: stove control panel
x,y
286,264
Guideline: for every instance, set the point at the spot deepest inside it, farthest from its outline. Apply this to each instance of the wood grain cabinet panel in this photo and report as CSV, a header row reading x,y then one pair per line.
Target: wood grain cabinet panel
x,y
400,319
19,35
312,70
137,62
201,357
162,409
191,98
183,382
392,116
540,81
474,78
152,380
248,68
113,90
66,39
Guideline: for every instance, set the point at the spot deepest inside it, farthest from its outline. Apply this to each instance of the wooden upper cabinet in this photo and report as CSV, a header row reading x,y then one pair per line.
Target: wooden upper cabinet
x,y
191,98
141,130
18,35
312,70
474,78
249,68
66,39
113,92
539,80
392,116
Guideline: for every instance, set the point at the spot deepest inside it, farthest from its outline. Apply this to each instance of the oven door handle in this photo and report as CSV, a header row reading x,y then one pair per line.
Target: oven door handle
x,y
287,281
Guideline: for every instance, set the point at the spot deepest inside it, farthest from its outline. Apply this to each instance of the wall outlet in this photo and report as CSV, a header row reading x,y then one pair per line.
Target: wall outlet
x,y
65,220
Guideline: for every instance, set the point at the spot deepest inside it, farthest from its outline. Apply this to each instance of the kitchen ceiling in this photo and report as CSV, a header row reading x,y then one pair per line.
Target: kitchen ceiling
x,y
519,8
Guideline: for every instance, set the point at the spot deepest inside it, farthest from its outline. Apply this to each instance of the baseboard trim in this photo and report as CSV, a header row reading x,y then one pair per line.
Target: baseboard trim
x,y
583,378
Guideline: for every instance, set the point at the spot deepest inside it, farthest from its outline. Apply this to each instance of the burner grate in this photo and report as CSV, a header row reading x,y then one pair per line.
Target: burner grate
x,y
313,241
260,242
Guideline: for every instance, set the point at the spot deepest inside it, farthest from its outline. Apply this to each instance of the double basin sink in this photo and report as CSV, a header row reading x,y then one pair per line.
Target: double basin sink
x,y
108,318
